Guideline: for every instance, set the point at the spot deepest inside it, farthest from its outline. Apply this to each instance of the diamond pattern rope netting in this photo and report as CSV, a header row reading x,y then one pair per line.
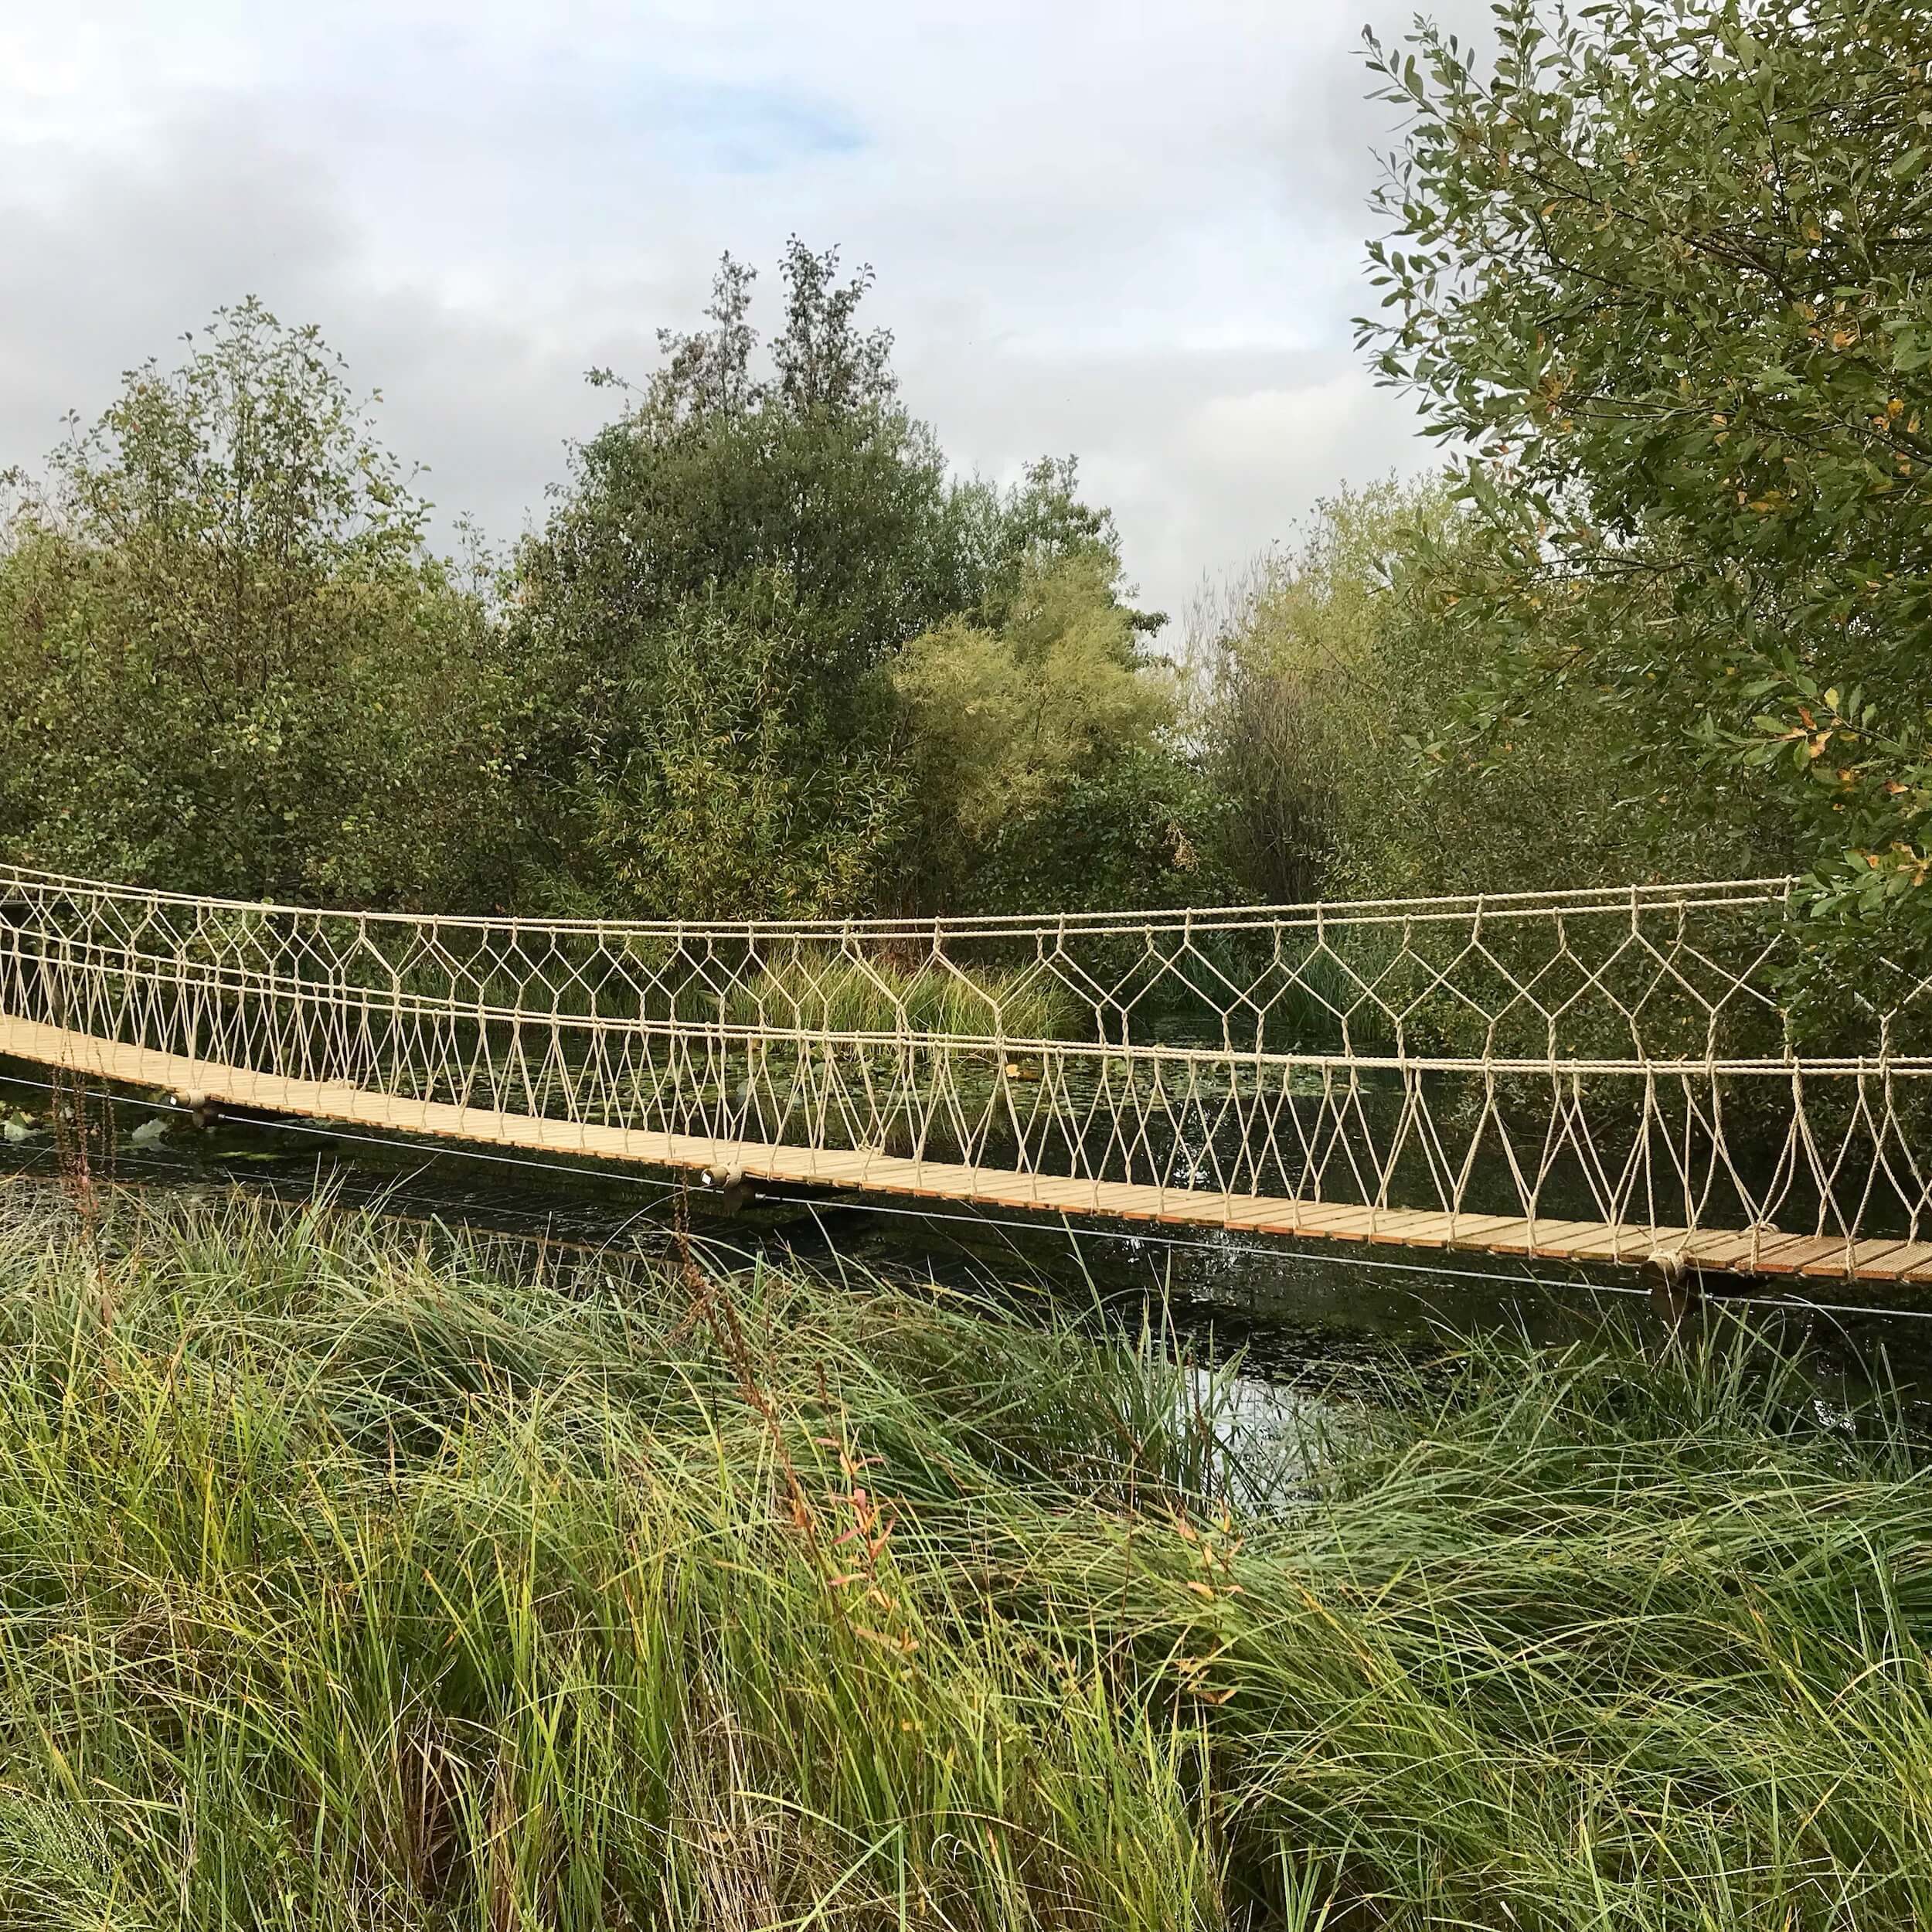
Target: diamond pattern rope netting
x,y
1650,1060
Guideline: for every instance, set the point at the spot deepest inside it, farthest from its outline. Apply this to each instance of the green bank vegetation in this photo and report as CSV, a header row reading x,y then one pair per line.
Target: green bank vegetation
x,y
355,1579
767,656
817,990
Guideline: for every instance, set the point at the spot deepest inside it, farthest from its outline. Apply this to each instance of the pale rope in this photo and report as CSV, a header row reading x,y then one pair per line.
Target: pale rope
x,y
1651,1059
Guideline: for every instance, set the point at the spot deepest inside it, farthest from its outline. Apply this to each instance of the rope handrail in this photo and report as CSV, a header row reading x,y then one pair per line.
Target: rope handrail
x,y
1769,890
1635,1066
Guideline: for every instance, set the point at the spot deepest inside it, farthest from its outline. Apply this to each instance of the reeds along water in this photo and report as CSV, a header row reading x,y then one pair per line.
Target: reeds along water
x,y
343,1567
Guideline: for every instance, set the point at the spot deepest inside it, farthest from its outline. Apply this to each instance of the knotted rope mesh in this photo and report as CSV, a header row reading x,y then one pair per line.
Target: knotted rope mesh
x,y
1655,1059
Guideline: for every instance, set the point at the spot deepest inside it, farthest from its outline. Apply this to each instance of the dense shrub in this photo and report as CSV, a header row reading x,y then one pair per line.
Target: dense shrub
x,y
1343,740
231,664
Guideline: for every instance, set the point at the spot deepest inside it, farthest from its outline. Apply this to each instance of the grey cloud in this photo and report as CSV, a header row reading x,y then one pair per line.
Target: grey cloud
x,y
109,261
1130,233
128,257
1220,454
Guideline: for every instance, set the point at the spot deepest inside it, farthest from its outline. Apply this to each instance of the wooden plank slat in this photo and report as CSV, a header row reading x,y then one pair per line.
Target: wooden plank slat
x,y
1337,1220
1550,1239
1493,1233
1618,1244
1721,1248
1856,1259
1250,1211
1808,1255
1048,1192
1882,1259
1909,1261
1420,1230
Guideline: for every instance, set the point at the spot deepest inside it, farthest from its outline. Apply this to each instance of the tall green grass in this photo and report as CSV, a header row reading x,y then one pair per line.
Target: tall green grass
x,y
350,1579
817,990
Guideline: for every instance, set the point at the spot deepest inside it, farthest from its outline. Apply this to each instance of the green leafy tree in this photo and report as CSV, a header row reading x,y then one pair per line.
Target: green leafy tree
x,y
724,469
1126,829
1659,269
1039,733
737,797
1328,692
735,492
1000,717
743,488
232,664
1293,681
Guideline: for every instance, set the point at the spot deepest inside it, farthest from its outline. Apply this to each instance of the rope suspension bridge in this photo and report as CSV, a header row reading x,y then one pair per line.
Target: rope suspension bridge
x,y
1651,1075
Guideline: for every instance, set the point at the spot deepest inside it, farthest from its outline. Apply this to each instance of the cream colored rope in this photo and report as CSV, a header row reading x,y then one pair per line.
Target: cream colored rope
x,y
1653,1060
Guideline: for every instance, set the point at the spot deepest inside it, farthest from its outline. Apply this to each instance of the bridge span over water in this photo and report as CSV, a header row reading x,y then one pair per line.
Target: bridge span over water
x,y
1612,1075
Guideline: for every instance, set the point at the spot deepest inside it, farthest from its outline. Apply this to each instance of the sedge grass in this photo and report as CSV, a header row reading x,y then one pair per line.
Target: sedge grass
x,y
350,1579
820,990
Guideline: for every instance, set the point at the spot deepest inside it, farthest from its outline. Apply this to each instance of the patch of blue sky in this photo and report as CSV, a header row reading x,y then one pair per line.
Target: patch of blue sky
x,y
736,130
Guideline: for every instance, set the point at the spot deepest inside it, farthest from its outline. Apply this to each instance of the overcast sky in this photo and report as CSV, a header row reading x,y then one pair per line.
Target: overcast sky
x,y
1131,231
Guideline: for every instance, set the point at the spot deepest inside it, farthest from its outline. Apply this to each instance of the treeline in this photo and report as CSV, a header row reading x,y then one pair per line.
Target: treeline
x,y
1655,275
767,656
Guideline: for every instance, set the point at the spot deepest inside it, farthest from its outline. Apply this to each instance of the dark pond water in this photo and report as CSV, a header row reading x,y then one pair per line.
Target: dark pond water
x,y
1300,1317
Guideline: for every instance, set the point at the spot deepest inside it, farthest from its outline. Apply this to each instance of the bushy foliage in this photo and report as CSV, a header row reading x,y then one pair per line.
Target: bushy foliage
x,y
1331,691
1039,744
1129,827
740,537
786,662
1001,718
1659,266
721,472
748,784
236,667
230,663
1292,692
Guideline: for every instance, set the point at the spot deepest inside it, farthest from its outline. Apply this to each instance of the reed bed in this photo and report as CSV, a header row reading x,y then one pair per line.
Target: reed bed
x,y
819,991
350,1578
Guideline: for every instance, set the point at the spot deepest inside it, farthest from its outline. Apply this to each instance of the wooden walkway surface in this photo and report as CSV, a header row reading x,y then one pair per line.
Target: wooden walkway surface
x,y
1763,1252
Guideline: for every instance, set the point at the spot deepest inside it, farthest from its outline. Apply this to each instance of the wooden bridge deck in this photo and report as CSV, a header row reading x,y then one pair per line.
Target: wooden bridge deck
x,y
1767,1252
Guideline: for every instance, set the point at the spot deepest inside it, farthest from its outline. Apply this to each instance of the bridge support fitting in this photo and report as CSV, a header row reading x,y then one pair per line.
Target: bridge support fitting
x,y
1676,1286
732,1186
202,1109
